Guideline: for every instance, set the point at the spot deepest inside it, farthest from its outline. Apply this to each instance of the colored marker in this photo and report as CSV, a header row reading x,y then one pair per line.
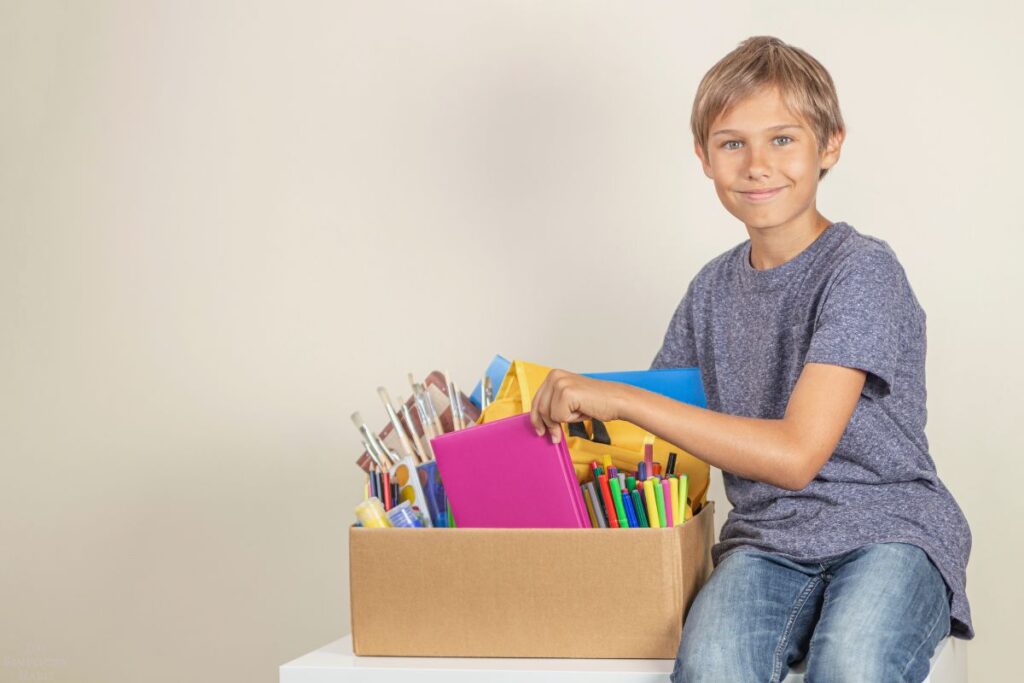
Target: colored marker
x,y
652,504
620,512
659,503
622,481
387,490
648,457
666,493
631,483
627,505
590,507
609,506
595,503
677,512
641,516
684,486
671,463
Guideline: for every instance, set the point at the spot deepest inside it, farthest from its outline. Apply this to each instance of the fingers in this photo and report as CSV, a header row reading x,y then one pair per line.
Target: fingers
x,y
538,422
541,411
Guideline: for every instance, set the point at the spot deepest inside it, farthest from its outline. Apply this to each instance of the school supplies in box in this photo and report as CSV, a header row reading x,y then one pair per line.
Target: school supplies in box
x,y
644,498
502,475
622,441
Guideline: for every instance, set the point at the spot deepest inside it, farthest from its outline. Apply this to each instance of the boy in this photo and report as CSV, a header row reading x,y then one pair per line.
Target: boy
x,y
843,546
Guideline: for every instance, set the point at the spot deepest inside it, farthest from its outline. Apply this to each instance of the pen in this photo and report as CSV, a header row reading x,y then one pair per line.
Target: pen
x,y
671,463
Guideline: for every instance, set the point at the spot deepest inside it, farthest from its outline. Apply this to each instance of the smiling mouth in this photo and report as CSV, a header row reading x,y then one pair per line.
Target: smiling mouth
x,y
761,195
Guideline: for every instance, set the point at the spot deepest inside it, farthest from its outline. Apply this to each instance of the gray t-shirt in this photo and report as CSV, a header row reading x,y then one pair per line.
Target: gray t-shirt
x,y
844,300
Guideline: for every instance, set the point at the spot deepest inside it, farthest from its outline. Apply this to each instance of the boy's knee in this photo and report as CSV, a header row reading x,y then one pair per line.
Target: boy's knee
x,y
711,660
865,659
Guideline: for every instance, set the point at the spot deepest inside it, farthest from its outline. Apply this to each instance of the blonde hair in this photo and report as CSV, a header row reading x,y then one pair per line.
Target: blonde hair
x,y
764,61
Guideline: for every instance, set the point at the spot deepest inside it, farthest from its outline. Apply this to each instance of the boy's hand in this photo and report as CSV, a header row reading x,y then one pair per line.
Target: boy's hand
x,y
566,397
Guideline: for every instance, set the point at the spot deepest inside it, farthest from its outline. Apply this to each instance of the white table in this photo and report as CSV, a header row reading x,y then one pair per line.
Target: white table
x,y
335,662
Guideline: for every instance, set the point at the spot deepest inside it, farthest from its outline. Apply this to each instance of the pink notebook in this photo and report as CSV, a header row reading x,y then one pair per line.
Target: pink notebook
x,y
501,475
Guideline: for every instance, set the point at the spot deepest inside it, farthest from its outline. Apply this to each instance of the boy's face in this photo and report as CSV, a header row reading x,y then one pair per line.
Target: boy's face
x,y
765,162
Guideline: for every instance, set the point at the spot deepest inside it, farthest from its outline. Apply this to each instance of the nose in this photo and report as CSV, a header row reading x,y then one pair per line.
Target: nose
x,y
759,163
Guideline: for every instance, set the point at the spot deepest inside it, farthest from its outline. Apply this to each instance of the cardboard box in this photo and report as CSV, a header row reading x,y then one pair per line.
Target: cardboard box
x,y
602,593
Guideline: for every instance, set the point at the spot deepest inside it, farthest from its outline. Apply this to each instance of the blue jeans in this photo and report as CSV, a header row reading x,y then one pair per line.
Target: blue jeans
x,y
874,614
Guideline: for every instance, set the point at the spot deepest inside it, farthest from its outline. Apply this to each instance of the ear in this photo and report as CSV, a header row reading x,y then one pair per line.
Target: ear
x,y
699,151
830,155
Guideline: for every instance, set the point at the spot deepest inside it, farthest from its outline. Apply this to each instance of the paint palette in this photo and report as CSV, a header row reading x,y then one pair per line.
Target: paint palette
x,y
405,474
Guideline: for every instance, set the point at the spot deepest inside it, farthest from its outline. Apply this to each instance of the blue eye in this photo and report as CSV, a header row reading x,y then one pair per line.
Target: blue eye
x,y
726,144
785,137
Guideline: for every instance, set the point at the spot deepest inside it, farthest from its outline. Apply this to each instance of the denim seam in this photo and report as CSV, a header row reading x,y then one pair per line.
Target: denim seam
x,y
814,636
938,620
793,614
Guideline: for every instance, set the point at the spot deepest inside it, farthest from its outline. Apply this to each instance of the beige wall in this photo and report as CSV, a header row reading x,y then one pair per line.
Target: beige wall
x,y
222,225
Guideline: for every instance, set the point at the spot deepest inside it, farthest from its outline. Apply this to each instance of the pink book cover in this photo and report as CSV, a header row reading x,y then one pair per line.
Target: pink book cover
x,y
501,475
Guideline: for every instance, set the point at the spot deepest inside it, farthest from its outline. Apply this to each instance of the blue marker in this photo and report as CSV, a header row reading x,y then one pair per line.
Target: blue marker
x,y
627,502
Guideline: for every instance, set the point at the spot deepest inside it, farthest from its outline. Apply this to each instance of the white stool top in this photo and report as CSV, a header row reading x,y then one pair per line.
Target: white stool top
x,y
335,662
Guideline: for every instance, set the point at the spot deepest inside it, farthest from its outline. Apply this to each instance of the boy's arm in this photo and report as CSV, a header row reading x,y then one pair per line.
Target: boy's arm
x,y
787,453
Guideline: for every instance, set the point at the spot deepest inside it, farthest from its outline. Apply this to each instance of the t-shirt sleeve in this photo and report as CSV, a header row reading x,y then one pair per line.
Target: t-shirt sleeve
x,y
679,347
858,324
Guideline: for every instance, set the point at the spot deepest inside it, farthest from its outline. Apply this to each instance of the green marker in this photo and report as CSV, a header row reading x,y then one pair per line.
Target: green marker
x,y
660,497
641,516
631,483
620,512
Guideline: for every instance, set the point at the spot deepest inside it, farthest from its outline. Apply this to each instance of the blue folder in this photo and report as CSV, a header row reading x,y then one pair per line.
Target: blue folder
x,y
681,384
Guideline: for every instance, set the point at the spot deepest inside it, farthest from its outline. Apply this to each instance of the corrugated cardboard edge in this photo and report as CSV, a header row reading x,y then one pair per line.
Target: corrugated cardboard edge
x,y
685,557
696,572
